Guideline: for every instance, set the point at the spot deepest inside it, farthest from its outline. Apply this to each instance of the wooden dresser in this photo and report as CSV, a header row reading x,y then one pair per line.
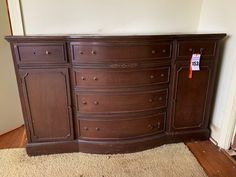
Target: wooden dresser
x,y
114,94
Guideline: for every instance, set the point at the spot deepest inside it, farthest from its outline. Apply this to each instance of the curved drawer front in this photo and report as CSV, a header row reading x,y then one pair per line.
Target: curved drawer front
x,y
97,102
41,53
187,48
120,77
111,129
107,52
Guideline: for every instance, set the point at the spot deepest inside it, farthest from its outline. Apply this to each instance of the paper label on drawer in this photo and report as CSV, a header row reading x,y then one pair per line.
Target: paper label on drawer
x,y
195,62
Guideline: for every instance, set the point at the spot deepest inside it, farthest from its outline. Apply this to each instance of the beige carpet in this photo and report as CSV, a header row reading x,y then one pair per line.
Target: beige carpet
x,y
174,160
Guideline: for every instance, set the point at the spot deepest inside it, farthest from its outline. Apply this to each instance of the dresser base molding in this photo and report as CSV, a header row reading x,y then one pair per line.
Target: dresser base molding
x,y
115,146
33,149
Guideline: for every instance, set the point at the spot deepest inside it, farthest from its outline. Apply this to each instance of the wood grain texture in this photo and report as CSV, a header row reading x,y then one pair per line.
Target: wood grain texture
x,y
14,139
46,94
213,160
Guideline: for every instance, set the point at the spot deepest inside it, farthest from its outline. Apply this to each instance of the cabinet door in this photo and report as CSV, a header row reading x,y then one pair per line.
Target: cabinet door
x,y
190,100
48,104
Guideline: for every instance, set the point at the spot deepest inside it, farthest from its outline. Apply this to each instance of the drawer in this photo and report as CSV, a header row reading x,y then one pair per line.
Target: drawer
x,y
187,48
41,53
120,77
96,53
105,102
112,129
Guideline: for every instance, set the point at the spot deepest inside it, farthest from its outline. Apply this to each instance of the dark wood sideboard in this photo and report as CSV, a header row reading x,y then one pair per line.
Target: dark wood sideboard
x,y
114,94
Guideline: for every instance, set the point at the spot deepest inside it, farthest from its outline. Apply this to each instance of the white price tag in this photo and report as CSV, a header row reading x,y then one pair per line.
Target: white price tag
x,y
195,62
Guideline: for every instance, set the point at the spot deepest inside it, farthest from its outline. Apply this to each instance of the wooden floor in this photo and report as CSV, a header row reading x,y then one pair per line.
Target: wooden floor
x,y
13,139
215,162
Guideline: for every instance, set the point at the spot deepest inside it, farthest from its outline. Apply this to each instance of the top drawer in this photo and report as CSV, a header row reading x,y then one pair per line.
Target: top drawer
x,y
41,53
187,48
105,52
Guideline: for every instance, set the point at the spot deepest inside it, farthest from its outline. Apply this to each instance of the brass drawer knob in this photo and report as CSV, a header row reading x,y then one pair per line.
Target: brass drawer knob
x,y
150,100
81,52
150,126
152,76
47,52
191,50
162,75
85,128
83,78
95,78
96,102
153,51
93,52
84,102
160,98
163,51
98,129
201,50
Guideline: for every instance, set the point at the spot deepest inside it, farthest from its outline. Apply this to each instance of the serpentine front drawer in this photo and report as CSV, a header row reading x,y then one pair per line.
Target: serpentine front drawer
x,y
87,77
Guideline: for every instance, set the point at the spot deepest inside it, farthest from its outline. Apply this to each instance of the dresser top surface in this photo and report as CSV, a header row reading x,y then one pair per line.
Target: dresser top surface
x,y
114,37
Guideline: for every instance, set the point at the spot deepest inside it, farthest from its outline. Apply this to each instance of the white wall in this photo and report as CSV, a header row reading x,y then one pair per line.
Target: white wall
x,y
10,110
219,16
110,16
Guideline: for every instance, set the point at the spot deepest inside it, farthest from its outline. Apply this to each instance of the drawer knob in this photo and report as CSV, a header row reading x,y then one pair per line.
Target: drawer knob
x,y
95,102
160,98
83,78
95,78
85,128
152,76
150,126
81,52
84,102
153,51
94,52
98,129
162,75
163,51
47,52
201,50
150,100
191,50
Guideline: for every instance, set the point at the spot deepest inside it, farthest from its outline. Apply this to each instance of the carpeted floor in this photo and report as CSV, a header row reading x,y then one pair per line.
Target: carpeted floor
x,y
174,160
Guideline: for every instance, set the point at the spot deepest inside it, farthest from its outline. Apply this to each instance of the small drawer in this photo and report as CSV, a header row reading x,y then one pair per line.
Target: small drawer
x,y
187,48
98,53
113,129
105,102
120,77
41,53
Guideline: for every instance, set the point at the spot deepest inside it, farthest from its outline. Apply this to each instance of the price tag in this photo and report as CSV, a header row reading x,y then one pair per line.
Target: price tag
x,y
194,64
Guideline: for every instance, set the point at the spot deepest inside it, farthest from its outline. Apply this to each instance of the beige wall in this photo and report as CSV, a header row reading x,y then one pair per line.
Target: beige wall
x,y
10,114
219,16
110,16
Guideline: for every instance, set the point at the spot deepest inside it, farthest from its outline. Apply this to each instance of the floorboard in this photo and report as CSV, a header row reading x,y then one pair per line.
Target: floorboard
x,y
212,159
14,139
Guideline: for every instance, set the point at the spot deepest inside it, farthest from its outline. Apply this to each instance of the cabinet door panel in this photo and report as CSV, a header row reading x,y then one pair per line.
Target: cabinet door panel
x,y
47,98
190,96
